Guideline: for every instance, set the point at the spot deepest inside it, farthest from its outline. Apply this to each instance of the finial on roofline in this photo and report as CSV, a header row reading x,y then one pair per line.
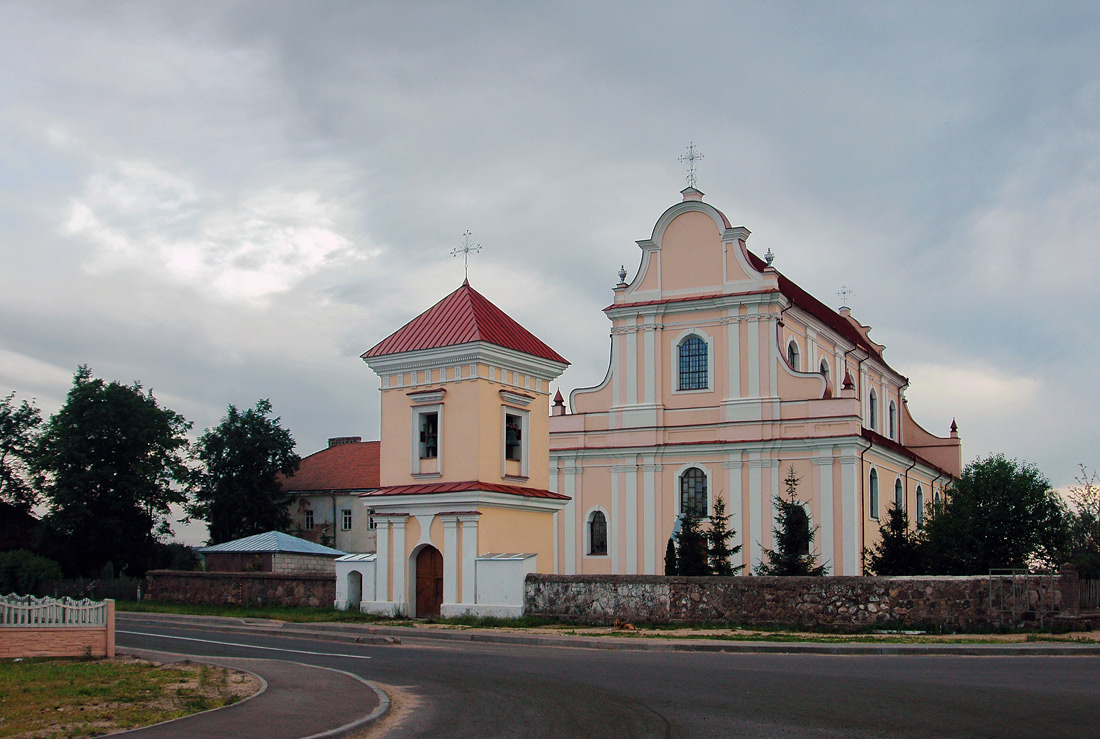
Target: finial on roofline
x,y
622,274
769,256
690,158
844,293
467,248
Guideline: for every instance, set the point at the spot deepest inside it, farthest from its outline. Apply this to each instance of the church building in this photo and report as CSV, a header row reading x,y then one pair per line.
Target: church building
x,y
724,376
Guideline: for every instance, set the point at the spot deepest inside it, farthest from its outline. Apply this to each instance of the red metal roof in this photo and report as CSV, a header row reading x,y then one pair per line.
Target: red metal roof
x,y
348,466
463,317
433,488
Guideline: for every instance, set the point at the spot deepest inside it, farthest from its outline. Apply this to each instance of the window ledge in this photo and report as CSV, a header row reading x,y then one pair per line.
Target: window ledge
x,y
516,478
427,475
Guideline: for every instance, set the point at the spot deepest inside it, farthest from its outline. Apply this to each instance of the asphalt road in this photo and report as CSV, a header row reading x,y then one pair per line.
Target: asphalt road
x,y
467,689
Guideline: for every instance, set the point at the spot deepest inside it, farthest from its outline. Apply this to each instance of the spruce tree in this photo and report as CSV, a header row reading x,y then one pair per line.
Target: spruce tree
x,y
718,541
793,537
691,559
670,558
898,550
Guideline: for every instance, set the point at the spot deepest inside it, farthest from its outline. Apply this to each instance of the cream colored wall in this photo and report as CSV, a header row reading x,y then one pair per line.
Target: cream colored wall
x,y
471,442
691,253
508,530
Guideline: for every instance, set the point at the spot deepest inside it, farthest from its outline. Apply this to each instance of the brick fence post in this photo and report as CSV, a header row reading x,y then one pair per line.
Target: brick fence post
x,y
110,627
1070,586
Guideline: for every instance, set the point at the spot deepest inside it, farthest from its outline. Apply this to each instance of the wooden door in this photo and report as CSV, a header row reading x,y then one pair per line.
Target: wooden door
x,y
429,582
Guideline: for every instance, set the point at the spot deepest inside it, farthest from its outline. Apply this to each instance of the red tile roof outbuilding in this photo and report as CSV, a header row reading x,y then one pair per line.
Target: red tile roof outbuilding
x,y
342,466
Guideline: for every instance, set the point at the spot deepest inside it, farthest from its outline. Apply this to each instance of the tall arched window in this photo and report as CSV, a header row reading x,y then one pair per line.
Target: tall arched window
x,y
920,506
597,533
693,492
693,364
899,494
824,370
872,410
893,421
794,358
873,504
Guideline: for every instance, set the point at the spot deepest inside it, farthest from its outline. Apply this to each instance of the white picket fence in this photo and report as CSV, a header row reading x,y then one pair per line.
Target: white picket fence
x,y
27,611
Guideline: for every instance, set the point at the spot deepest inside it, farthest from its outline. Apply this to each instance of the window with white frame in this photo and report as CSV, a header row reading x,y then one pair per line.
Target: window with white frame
x,y
513,436
597,533
428,429
371,523
892,421
872,410
515,425
345,519
794,357
872,507
308,524
693,364
899,494
920,506
693,492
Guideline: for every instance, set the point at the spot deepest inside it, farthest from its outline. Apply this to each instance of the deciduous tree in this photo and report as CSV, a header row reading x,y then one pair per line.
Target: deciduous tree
x,y
235,486
1000,513
19,429
110,458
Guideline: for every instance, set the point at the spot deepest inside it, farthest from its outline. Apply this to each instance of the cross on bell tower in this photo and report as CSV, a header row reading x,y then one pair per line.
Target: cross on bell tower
x,y
467,248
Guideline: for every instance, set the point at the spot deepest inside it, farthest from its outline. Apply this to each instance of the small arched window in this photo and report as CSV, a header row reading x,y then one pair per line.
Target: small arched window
x,y
893,421
936,498
920,506
794,358
597,533
899,494
693,492
872,410
824,370
873,504
693,364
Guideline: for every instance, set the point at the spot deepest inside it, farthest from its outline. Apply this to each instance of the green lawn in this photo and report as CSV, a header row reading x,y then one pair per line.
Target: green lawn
x,y
69,698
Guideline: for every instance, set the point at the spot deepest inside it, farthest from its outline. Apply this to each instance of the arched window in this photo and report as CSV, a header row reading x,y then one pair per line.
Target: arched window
x,y
693,492
824,370
893,420
936,498
872,411
899,494
597,533
693,364
793,356
920,506
873,505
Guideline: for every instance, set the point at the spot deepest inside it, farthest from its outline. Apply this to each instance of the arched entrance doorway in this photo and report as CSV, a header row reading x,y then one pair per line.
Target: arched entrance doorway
x,y
429,582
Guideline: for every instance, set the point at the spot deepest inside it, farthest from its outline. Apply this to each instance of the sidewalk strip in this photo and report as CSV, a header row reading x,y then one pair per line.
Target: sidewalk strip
x,y
246,646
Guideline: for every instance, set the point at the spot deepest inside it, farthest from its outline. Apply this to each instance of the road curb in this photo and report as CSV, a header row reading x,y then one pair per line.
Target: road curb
x,y
391,635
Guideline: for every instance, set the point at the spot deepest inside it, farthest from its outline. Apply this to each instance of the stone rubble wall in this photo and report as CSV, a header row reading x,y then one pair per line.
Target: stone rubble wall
x,y
241,588
839,602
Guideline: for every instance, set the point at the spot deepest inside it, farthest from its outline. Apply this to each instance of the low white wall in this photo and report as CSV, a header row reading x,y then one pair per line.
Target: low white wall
x,y
499,581
366,566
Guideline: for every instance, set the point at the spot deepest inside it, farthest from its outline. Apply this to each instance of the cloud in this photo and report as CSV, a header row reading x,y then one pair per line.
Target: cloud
x,y
139,217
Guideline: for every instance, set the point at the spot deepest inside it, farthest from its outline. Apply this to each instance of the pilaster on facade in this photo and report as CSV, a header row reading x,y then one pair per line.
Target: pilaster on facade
x,y
735,506
625,481
756,508
823,483
572,480
851,511
468,526
450,561
650,471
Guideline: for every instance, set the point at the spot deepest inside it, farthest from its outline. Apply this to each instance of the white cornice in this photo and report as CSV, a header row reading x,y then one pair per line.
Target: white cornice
x,y
431,503
471,352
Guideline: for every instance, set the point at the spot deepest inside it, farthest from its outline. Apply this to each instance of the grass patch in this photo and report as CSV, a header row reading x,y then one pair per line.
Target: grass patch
x,y
68,698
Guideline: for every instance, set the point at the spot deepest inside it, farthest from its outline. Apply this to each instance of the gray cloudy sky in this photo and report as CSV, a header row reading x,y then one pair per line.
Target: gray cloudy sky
x,y
232,201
